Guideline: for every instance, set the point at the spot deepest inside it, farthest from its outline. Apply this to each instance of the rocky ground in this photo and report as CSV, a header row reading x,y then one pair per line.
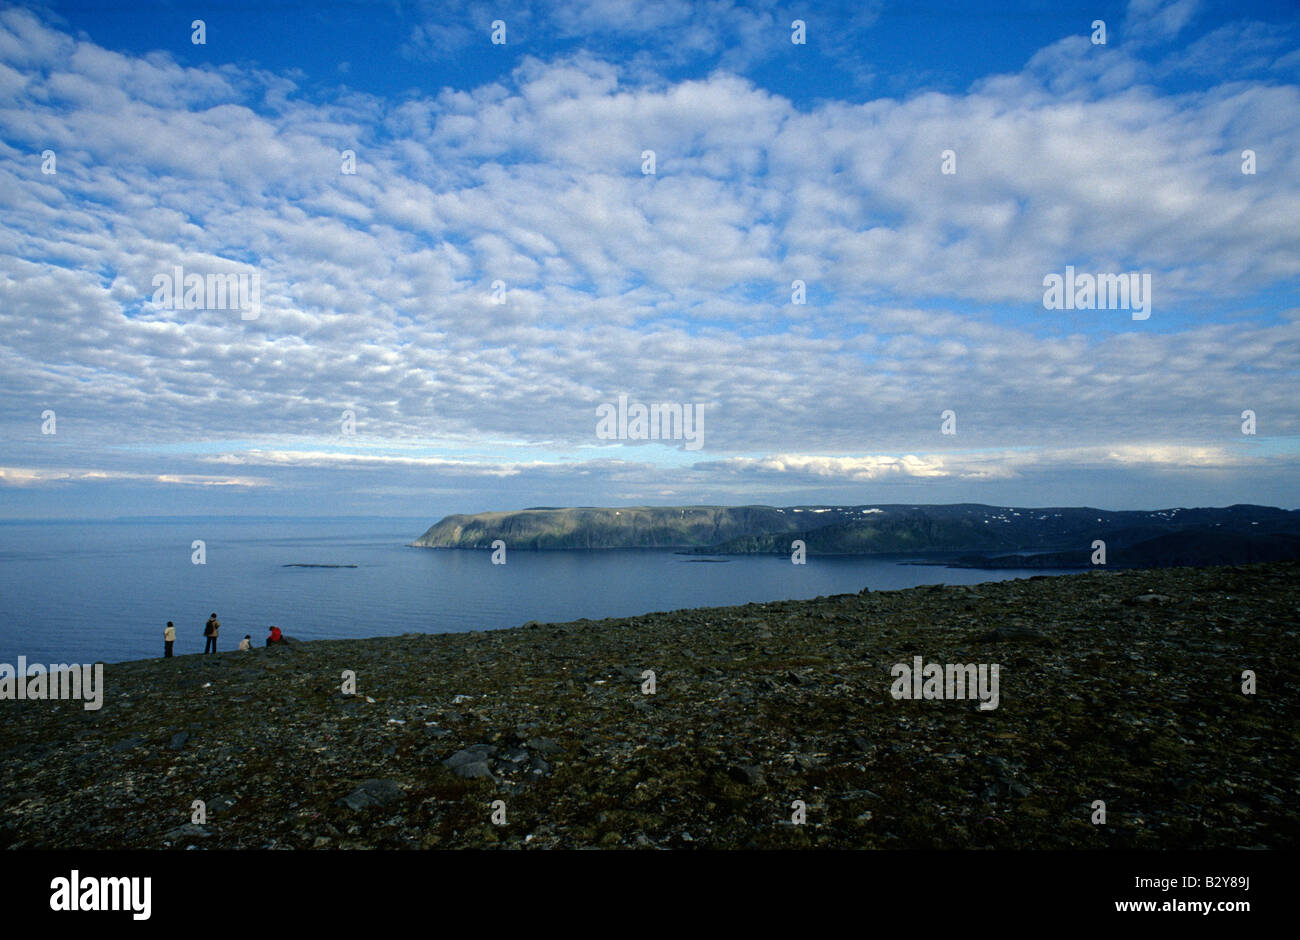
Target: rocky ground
x,y
1116,686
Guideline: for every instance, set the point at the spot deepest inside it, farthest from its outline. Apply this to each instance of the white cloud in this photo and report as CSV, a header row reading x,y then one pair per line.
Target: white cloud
x,y
1158,19
925,290
1004,464
38,476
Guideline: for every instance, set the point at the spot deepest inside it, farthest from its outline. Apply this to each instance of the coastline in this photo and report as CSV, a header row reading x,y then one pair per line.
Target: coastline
x,y
1115,685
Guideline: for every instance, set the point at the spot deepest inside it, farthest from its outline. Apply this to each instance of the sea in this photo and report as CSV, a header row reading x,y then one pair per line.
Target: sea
x,y
87,591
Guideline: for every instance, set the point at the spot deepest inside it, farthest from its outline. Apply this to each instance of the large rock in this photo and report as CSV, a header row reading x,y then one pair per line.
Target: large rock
x,y
478,768
470,755
471,761
128,743
544,746
186,833
372,793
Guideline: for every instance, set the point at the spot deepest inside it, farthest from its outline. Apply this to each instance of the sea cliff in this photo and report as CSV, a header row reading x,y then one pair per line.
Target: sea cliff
x,y
987,536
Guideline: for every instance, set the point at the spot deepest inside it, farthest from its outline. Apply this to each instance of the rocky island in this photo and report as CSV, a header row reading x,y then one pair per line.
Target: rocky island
x,y
760,726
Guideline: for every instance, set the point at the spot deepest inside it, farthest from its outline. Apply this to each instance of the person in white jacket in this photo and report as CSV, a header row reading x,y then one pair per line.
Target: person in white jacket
x,y
169,637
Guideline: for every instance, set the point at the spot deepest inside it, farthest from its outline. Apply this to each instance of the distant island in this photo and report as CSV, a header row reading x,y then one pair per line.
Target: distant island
x,y
968,535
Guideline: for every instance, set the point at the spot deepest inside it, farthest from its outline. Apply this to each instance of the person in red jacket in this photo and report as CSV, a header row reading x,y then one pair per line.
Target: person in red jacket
x,y
275,637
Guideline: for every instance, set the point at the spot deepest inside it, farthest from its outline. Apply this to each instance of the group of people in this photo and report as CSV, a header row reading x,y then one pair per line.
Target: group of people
x,y
210,631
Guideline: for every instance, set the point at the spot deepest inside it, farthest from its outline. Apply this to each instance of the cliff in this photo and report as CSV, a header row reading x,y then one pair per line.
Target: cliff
x,y
1157,538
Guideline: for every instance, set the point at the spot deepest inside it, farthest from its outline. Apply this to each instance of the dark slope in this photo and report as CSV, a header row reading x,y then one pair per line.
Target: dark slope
x,y
1115,686
879,529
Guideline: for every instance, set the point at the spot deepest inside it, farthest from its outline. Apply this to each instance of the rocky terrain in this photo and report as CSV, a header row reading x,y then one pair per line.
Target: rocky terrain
x,y
1121,686
1187,548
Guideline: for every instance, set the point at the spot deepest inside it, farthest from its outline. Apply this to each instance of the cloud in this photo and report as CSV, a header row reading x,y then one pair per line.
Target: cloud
x,y
650,38
36,476
924,290
1006,464
306,458
1158,19
851,468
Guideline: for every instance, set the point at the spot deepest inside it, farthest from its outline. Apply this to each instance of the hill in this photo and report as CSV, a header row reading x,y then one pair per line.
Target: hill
x,y
1233,534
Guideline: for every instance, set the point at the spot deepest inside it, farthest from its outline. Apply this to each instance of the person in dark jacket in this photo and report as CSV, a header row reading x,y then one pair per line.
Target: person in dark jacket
x,y
210,631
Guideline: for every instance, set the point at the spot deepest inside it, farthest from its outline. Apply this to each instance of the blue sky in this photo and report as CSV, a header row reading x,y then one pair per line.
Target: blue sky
x,y
522,165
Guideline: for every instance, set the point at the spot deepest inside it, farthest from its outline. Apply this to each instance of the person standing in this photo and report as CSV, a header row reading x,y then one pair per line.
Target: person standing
x,y
169,637
210,631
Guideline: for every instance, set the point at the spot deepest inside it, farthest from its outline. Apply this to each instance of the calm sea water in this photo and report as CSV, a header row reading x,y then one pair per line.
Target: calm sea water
x,y
104,591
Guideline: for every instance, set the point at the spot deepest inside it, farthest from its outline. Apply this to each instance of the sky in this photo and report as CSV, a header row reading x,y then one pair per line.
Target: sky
x,y
464,231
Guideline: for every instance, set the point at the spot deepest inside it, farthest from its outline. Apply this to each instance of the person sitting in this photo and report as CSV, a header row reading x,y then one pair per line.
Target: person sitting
x,y
247,642
275,637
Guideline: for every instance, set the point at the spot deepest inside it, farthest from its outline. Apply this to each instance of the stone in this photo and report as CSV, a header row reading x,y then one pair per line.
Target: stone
x,y
127,744
1160,599
472,769
187,832
479,753
544,746
372,793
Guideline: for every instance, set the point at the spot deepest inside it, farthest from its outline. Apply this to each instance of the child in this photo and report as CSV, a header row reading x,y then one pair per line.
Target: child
x,y
247,642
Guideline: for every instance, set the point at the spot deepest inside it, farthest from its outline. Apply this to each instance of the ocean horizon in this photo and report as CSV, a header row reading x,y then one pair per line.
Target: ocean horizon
x,y
103,590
